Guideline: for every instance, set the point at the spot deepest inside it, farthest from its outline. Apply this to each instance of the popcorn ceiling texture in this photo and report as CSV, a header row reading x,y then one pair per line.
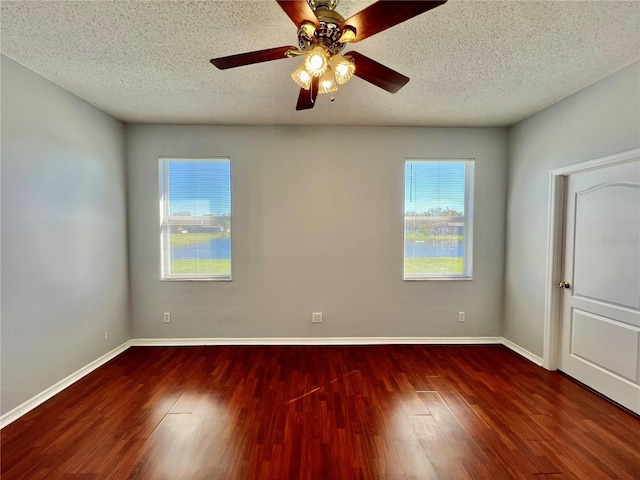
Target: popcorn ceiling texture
x,y
471,63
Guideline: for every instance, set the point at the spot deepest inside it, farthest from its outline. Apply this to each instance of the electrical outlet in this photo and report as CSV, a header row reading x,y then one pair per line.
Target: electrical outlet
x,y
316,317
461,316
167,317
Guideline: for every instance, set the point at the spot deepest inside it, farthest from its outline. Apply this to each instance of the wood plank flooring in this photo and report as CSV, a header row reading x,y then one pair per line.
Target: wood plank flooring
x,y
366,412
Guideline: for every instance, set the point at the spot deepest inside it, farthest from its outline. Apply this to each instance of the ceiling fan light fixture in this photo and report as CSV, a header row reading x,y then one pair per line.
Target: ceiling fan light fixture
x,y
327,82
325,36
317,61
343,68
302,77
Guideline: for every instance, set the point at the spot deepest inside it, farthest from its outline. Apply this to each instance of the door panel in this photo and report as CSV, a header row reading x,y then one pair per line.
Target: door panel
x,y
600,327
592,337
606,245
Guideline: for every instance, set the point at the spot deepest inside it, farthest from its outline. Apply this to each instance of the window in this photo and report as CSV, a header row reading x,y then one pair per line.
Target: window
x,y
195,218
438,219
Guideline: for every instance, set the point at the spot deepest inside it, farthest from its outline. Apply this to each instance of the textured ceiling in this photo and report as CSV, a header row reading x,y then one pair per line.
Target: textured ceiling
x,y
471,63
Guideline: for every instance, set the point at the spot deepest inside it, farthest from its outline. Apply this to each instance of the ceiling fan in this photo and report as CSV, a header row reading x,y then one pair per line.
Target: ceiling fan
x,y
323,34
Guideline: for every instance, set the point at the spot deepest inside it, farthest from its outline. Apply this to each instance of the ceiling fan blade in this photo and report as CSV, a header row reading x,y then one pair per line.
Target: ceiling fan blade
x,y
251,57
377,74
387,13
307,98
298,11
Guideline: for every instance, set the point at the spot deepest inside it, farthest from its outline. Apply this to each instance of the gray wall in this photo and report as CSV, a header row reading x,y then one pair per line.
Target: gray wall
x,y
317,226
64,252
599,120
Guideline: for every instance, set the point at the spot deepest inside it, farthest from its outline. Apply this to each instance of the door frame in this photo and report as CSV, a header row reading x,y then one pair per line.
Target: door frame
x,y
555,245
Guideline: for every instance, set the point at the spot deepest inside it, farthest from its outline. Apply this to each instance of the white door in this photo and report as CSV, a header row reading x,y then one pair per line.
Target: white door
x,y
600,326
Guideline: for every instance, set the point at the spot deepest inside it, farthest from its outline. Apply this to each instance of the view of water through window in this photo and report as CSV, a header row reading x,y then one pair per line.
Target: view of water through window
x,y
213,249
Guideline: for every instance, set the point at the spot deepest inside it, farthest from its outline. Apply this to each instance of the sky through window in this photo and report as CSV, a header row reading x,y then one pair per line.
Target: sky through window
x,y
434,185
199,187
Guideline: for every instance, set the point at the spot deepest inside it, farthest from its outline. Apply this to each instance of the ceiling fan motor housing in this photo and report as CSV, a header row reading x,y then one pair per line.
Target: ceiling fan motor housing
x,y
329,31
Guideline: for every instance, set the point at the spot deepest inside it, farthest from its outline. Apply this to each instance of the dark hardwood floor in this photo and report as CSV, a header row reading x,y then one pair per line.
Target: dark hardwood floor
x,y
378,412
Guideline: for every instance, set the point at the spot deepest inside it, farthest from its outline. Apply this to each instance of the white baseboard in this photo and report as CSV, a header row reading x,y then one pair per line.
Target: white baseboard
x,y
45,395
521,351
175,342
42,397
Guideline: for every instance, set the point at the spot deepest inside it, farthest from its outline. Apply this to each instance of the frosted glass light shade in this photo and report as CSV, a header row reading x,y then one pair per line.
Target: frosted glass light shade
x,y
317,61
302,77
343,68
327,82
